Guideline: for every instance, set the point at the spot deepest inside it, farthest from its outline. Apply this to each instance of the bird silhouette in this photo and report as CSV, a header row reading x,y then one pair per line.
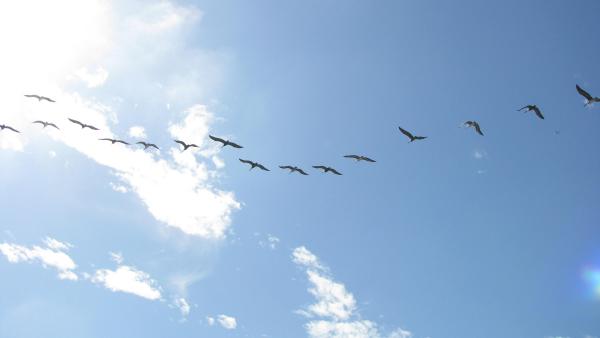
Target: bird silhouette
x,y
39,97
83,125
3,126
326,169
475,125
254,165
185,145
46,124
293,169
148,145
359,158
411,136
225,142
589,99
113,141
534,108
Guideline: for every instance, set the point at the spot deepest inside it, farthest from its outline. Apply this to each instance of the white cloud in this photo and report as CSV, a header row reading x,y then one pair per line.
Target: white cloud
x,y
227,322
271,242
334,315
479,154
11,141
137,132
116,257
163,16
94,78
118,188
210,320
53,255
183,306
129,280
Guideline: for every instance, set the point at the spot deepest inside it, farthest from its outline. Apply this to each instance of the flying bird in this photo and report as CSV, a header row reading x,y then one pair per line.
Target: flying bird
x,y
254,165
410,136
475,125
589,99
292,169
185,145
46,124
148,145
359,158
83,125
113,141
535,109
2,127
39,97
225,142
327,169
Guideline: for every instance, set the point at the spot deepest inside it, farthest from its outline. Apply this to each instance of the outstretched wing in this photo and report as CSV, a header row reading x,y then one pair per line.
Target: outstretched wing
x,y
32,95
53,125
525,107
143,143
39,122
123,142
477,128
334,171
11,128
235,145
356,157
405,132
301,171
91,127
583,93
46,98
77,122
319,167
246,161
218,139
420,137
153,146
538,112
368,159
286,167
182,143
262,167
106,139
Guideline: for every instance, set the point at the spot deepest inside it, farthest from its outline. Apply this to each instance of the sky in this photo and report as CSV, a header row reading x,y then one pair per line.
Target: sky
x,y
457,235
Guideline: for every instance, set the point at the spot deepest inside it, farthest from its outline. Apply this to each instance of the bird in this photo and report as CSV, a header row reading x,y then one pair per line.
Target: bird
x,y
327,169
225,142
589,99
535,109
292,169
3,126
254,164
148,145
473,124
83,125
46,124
185,145
113,141
410,136
39,97
359,158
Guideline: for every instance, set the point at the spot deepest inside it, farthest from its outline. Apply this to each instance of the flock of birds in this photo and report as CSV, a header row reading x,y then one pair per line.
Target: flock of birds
x,y
589,99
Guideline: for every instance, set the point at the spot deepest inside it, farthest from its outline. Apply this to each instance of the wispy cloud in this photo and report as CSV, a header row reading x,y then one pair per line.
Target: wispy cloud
x,y
183,306
479,154
227,322
53,255
334,315
128,279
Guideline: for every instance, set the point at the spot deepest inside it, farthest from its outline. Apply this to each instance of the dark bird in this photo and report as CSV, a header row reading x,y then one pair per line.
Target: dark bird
x,y
292,169
589,99
40,98
254,165
83,125
185,145
475,125
225,142
2,127
359,158
327,169
535,109
46,124
410,136
148,145
113,141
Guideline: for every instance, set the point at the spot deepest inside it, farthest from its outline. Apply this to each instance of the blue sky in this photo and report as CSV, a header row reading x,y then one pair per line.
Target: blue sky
x,y
458,235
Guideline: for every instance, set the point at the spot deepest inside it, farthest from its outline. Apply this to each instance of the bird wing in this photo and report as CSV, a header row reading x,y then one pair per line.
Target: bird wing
x,y
39,122
11,128
91,127
192,145
77,122
262,167
182,143
319,167
478,129
420,137
46,98
525,107
246,161
154,146
214,138
301,171
368,159
352,156
106,139
405,132
286,167
334,171
32,95
123,142
143,143
235,145
583,93
538,112
53,125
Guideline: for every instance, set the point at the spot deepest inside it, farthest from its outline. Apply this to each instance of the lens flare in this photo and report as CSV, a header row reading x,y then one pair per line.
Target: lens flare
x,y
592,277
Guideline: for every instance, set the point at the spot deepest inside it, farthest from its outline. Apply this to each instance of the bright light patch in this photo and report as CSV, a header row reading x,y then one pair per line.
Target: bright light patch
x,y
592,277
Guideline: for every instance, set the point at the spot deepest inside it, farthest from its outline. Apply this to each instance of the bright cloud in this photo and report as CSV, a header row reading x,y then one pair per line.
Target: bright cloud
x,y
53,255
118,188
129,280
227,322
334,315
183,306
137,132
94,78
